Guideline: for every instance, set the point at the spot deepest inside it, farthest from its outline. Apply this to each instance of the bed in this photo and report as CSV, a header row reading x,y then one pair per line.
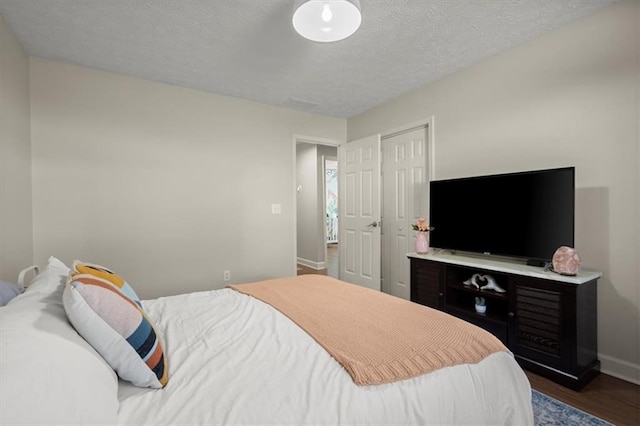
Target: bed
x,y
232,359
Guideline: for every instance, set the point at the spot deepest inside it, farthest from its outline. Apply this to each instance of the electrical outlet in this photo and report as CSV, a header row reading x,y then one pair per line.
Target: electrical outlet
x,y
227,275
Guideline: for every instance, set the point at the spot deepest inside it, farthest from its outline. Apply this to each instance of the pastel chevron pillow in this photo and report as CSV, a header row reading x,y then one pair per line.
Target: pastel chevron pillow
x,y
117,327
104,273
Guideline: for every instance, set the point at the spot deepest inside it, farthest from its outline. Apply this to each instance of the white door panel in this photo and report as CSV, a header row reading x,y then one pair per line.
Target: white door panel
x,y
405,198
359,197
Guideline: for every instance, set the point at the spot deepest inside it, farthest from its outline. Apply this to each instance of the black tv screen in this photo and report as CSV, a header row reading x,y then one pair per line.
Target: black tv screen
x,y
525,215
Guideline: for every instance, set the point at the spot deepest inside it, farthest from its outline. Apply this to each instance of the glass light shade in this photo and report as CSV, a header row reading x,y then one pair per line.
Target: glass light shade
x,y
326,20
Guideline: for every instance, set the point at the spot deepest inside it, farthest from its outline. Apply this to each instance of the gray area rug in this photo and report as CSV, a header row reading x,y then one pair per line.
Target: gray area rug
x,y
549,411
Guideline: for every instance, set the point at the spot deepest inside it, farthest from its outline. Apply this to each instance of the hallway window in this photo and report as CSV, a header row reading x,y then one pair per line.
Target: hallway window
x,y
331,185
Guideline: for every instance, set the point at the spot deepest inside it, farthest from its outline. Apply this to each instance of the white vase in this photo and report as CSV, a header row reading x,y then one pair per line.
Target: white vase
x,y
481,309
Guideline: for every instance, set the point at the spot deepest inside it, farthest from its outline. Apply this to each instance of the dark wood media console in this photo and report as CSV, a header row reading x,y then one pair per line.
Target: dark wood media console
x,y
548,321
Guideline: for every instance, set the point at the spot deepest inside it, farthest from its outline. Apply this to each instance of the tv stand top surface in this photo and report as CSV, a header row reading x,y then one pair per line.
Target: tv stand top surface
x,y
507,266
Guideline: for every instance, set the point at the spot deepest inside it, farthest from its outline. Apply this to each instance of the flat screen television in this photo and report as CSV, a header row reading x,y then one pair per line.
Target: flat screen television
x,y
523,215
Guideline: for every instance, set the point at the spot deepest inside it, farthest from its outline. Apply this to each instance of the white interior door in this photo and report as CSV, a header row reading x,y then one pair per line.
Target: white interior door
x,y
405,189
359,217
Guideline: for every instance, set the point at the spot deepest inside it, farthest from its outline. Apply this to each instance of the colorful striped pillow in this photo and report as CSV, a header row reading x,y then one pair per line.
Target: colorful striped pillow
x,y
104,273
117,327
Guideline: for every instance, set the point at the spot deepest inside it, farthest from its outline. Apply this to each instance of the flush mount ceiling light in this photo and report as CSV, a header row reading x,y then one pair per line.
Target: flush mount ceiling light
x,y
326,20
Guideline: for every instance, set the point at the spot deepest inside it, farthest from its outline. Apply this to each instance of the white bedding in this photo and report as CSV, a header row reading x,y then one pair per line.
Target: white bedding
x,y
235,360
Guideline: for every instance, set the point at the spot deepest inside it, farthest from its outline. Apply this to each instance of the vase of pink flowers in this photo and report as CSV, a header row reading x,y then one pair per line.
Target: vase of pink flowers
x,y
422,235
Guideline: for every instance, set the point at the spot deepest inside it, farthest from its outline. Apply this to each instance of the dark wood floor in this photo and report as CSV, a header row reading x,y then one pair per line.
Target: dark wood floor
x,y
609,398
614,400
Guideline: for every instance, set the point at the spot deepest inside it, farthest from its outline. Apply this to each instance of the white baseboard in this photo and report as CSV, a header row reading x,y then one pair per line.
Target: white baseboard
x,y
311,264
620,368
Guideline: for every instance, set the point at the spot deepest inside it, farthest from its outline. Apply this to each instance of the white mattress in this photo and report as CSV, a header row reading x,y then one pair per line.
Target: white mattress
x,y
236,360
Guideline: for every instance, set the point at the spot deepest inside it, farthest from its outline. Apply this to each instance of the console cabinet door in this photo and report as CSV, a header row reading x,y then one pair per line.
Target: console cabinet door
x,y
427,282
538,326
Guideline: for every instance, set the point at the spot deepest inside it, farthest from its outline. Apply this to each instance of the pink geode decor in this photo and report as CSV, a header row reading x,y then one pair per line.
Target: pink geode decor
x,y
566,261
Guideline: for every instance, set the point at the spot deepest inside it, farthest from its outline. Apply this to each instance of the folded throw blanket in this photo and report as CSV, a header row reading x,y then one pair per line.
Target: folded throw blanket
x,y
376,337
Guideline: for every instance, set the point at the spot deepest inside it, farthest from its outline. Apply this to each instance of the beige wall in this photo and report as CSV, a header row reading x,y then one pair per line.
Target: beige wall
x,y
168,186
567,98
16,234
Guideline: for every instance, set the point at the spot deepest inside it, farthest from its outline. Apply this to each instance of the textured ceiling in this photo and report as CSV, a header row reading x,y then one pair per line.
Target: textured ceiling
x,y
249,49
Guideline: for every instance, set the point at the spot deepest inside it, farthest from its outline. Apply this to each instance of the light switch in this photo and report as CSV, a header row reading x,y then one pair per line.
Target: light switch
x,y
276,208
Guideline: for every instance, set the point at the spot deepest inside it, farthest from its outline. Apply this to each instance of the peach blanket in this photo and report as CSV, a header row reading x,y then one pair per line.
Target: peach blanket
x,y
376,337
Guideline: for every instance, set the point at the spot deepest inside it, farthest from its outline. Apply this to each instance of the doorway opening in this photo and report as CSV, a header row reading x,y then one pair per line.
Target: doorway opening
x,y
316,192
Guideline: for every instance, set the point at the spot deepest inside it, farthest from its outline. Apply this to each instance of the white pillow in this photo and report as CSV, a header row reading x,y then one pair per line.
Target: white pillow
x,y
50,278
51,375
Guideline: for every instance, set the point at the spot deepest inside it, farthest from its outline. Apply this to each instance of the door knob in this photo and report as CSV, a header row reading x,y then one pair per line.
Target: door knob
x,y
373,224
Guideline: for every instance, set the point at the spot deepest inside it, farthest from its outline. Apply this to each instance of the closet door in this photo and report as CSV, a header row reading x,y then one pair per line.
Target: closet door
x,y
404,194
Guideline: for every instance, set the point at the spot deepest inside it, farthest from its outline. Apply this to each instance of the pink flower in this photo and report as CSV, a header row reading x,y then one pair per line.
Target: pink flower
x,y
421,225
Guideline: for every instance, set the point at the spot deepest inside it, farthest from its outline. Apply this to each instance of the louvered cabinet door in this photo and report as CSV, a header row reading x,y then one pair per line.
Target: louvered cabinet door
x,y
427,283
539,321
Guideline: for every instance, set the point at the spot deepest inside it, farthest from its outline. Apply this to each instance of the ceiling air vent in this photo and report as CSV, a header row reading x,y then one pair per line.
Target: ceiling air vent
x,y
300,104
